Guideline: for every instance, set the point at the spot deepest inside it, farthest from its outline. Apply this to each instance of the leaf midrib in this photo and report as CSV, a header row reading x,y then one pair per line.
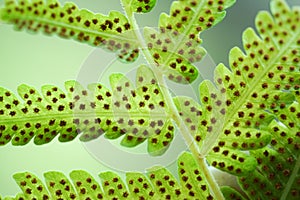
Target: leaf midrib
x,y
86,115
77,28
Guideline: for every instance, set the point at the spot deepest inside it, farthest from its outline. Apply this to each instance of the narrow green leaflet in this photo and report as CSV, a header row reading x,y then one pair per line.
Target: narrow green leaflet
x,y
140,187
173,54
192,179
138,112
175,46
143,111
86,186
165,184
191,17
158,183
139,6
113,186
112,32
59,186
31,186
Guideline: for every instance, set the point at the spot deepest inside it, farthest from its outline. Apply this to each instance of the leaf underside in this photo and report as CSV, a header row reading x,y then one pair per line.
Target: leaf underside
x,y
138,112
277,175
259,100
252,107
158,183
112,32
238,113
175,46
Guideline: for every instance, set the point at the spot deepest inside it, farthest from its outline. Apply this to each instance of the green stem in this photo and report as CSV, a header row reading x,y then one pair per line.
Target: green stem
x,y
174,114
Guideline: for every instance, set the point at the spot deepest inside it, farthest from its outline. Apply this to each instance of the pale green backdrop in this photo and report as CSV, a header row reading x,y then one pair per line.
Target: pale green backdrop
x,y
38,60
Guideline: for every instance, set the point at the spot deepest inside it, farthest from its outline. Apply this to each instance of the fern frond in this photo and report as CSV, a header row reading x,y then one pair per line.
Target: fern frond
x,y
235,115
112,32
139,6
138,112
191,17
255,102
158,183
175,47
277,175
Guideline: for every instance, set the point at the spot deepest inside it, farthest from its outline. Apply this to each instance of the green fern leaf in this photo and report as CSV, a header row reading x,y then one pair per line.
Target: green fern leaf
x,y
59,186
192,179
165,183
113,186
140,187
254,97
190,17
236,113
174,54
86,186
139,6
139,112
262,100
159,183
257,100
31,186
277,174
175,47
112,32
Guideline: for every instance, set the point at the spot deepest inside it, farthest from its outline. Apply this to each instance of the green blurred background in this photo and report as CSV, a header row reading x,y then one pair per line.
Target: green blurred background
x,y
38,60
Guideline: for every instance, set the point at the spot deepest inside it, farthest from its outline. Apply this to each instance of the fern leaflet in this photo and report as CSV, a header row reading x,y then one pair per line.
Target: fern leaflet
x,y
158,183
277,175
261,97
175,46
236,114
141,113
112,32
